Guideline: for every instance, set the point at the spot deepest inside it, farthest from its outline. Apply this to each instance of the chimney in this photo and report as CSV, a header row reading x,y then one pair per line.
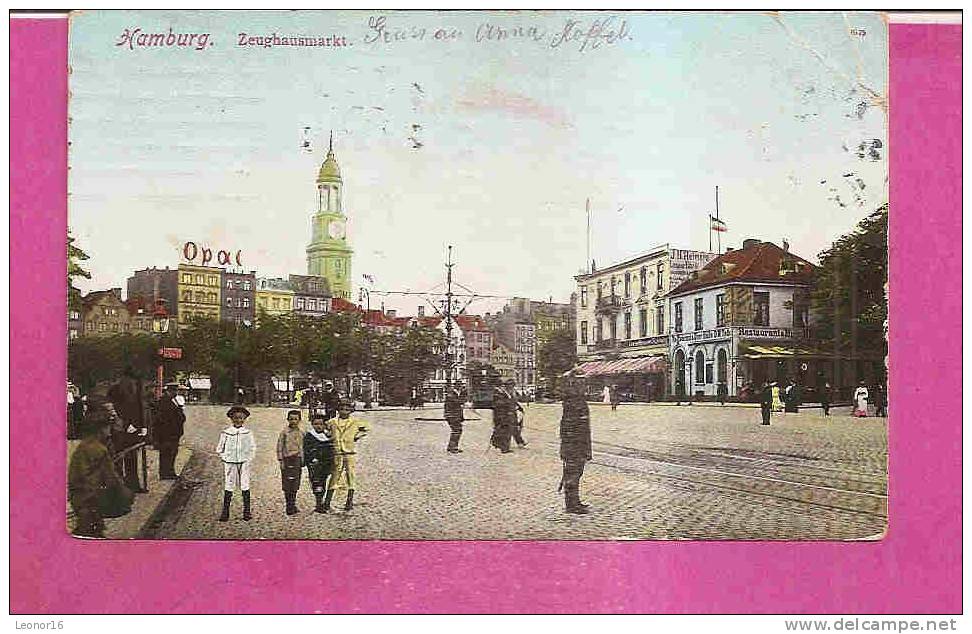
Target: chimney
x,y
786,245
421,311
750,242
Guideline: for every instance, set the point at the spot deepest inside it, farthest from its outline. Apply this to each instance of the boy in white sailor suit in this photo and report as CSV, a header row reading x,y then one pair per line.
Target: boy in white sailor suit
x,y
236,448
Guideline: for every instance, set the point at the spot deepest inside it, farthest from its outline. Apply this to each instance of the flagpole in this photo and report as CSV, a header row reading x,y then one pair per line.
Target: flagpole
x,y
587,265
718,237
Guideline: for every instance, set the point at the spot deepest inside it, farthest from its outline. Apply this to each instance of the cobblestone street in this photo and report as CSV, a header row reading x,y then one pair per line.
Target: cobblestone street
x,y
659,472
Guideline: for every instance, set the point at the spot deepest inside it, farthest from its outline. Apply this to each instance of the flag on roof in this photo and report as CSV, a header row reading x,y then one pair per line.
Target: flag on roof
x,y
716,225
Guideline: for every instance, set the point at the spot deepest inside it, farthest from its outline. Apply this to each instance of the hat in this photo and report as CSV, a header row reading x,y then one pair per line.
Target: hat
x,y
237,408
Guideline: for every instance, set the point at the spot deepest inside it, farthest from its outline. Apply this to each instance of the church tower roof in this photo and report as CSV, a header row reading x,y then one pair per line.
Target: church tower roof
x,y
330,172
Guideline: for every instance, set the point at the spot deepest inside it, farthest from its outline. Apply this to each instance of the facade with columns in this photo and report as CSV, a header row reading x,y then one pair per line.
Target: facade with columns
x,y
329,254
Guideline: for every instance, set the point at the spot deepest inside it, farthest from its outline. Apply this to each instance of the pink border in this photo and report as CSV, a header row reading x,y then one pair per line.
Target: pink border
x,y
916,569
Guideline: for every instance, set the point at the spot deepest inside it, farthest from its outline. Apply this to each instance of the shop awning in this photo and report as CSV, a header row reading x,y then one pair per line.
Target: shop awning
x,y
638,365
761,351
199,383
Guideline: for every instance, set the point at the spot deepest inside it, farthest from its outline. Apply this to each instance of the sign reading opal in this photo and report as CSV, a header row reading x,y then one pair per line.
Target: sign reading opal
x,y
190,251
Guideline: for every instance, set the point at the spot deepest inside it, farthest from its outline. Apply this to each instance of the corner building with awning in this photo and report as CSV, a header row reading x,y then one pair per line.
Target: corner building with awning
x,y
744,319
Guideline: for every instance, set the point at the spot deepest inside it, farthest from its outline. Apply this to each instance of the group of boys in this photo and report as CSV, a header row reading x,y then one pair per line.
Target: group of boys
x,y
327,450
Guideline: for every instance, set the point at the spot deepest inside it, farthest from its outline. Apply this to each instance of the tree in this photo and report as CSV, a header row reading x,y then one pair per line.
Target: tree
x,y
556,354
848,300
74,256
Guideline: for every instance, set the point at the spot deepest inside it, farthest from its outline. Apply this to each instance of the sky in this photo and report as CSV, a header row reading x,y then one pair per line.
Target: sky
x,y
490,145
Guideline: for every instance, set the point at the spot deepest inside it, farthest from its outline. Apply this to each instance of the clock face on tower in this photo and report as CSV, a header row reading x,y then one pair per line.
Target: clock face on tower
x,y
335,229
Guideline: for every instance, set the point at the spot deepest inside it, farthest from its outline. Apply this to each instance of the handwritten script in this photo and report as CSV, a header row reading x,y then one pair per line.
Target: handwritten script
x,y
574,34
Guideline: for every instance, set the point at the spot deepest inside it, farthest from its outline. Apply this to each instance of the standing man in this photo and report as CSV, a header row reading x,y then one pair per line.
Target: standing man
x,y
766,402
453,414
169,427
615,398
504,418
880,401
723,392
575,442
825,398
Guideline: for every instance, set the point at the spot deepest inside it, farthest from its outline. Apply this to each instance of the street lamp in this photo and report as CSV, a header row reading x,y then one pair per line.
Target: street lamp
x,y
160,326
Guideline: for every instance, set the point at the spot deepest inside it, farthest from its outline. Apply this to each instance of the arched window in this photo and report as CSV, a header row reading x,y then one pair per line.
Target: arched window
x,y
699,367
722,366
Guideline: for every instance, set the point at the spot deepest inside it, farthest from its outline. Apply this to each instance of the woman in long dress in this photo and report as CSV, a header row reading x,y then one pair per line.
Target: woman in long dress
x,y
607,395
777,402
860,401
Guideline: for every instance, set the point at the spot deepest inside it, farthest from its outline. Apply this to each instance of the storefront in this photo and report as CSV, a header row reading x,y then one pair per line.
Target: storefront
x,y
640,379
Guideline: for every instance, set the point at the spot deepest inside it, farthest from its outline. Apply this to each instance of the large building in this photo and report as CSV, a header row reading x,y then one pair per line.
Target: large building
x,y
744,319
312,296
518,327
622,320
104,313
239,296
329,254
274,296
199,292
153,285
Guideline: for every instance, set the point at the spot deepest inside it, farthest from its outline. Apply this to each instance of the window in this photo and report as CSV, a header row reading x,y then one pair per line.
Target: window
x,y
627,325
102,327
246,285
186,279
187,296
73,334
698,313
199,279
114,327
660,319
708,373
246,302
722,360
644,279
614,285
598,331
229,302
699,367
643,322
229,284
583,332
583,297
660,276
614,328
600,291
213,281
627,284
721,309
678,316
761,309
299,303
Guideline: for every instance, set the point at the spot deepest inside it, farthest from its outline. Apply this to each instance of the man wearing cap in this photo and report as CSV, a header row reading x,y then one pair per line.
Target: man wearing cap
x,y
504,416
453,415
575,441
236,448
90,472
169,427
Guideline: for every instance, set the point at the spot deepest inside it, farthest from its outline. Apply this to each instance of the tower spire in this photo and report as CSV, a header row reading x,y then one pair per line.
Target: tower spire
x,y
330,143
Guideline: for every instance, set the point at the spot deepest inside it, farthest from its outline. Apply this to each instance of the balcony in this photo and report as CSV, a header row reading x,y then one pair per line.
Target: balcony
x,y
610,304
605,344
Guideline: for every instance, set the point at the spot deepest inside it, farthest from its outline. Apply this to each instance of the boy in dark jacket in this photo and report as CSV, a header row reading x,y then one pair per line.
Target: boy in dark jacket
x,y
318,457
90,472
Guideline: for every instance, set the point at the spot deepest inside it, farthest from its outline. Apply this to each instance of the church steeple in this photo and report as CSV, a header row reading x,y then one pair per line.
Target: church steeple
x,y
329,254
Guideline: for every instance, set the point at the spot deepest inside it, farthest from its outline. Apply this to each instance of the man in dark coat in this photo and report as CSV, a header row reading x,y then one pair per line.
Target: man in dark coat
x,y
575,442
723,392
130,428
453,415
90,471
169,425
880,401
329,399
766,402
504,419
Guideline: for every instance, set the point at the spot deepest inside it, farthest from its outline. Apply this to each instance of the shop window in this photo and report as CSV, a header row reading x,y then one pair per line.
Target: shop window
x,y
708,373
722,359
699,367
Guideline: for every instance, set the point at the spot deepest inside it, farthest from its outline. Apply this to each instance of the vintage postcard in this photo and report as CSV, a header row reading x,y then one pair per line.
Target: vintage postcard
x,y
477,275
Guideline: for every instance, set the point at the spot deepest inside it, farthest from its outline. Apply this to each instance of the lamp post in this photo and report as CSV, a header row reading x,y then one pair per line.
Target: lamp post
x,y
160,326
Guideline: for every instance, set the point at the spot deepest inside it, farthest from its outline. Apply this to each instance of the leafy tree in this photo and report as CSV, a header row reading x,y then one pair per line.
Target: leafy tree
x,y
74,269
848,300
